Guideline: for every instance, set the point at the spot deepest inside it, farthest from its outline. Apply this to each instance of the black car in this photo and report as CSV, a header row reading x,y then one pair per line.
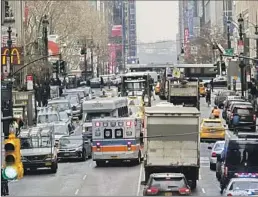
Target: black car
x,y
74,147
228,102
247,116
167,184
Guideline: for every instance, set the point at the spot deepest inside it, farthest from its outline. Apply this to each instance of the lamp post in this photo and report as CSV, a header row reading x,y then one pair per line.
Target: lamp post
x,y
98,71
45,39
9,45
228,34
256,33
91,57
242,64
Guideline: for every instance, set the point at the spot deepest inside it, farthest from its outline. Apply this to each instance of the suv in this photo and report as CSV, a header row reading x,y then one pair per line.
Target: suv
x,y
232,105
246,114
167,184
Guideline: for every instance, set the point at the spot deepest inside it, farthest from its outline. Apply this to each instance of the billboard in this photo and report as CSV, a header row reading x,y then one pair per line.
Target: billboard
x,y
53,47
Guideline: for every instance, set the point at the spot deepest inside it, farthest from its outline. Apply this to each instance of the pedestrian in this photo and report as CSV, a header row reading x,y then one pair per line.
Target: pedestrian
x,y
212,84
101,83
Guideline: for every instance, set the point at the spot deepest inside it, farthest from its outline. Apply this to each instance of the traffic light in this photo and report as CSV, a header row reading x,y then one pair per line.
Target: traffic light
x,y
217,67
223,67
56,67
13,168
62,66
83,51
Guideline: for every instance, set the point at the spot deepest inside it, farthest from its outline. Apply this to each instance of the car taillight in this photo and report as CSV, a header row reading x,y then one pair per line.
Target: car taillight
x,y
232,116
129,144
254,117
98,146
152,190
97,124
225,171
214,154
229,194
184,191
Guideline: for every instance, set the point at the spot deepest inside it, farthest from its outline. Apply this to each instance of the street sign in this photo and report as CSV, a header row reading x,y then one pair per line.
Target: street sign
x,y
229,51
29,82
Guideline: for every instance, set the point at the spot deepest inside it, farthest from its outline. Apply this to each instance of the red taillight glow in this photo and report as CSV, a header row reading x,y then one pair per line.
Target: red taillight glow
x,y
129,143
229,194
184,191
98,144
254,117
128,123
246,175
214,154
97,124
152,190
226,171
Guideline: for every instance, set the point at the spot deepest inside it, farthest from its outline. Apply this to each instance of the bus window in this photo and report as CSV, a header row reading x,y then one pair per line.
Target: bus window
x,y
119,133
107,133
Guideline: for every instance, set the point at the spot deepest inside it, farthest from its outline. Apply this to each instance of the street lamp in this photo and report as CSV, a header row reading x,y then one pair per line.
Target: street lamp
x,y
9,44
91,57
45,36
242,64
98,61
228,34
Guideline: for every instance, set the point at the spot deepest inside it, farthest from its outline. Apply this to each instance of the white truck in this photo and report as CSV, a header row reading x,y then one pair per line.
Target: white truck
x,y
172,143
184,93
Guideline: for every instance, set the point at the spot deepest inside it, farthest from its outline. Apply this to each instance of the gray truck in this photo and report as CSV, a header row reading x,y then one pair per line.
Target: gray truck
x,y
184,93
172,143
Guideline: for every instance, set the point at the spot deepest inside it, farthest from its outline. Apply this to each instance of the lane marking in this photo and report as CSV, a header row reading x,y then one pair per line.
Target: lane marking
x,y
84,177
139,181
203,191
90,164
76,192
200,178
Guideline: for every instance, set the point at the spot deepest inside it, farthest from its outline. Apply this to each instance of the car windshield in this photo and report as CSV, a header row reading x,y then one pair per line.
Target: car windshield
x,y
165,183
60,129
59,105
135,86
47,118
244,111
90,116
242,154
64,142
212,124
134,102
244,185
219,146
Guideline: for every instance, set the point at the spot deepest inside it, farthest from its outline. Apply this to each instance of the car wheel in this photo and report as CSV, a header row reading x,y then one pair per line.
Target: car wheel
x,y
138,160
193,184
54,167
212,166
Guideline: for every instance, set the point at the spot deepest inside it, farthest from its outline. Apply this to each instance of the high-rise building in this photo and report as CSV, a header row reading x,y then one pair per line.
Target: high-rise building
x,y
132,39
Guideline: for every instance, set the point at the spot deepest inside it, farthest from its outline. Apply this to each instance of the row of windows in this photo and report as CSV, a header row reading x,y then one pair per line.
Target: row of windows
x,y
123,111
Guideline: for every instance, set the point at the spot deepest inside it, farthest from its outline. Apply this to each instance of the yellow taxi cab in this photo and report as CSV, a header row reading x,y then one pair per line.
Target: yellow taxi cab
x,y
157,88
202,89
212,130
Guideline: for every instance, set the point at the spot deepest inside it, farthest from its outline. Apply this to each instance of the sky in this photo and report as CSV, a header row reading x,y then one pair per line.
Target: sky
x,y
156,20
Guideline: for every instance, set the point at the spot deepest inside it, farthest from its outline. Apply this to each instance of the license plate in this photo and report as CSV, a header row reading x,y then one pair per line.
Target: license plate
x,y
168,194
66,154
48,163
114,156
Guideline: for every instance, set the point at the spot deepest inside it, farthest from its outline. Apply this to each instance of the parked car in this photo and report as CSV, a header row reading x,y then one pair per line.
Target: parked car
x,y
222,96
227,103
95,83
232,105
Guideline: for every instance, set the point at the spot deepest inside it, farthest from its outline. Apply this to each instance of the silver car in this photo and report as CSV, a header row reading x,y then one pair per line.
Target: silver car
x,y
215,150
242,187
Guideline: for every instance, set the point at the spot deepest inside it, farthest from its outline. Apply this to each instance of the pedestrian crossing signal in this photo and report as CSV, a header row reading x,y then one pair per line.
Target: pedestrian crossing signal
x,y
13,168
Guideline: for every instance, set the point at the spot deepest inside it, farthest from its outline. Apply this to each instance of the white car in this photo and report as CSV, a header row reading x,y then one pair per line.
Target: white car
x,y
242,187
215,150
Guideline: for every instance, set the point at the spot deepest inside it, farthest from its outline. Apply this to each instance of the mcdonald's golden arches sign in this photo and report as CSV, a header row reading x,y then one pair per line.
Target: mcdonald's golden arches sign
x,y
16,56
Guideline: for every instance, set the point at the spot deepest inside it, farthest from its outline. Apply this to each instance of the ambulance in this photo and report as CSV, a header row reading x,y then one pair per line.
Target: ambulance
x,y
117,140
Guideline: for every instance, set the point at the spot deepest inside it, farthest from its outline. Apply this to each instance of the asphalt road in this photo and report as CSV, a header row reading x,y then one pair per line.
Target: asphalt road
x,y
85,179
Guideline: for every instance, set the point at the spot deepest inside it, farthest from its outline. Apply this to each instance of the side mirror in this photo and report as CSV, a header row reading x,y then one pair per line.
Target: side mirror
x,y
209,147
225,125
87,94
143,183
71,132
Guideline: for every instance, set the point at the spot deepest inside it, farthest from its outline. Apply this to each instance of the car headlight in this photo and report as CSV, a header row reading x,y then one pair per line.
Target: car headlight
x,y
79,148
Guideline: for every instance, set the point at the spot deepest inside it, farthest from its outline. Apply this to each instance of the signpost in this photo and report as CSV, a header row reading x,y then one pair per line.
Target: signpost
x,y
229,51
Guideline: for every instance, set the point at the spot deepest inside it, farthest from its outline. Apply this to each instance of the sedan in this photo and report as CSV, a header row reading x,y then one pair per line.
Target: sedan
x,y
222,96
215,150
242,187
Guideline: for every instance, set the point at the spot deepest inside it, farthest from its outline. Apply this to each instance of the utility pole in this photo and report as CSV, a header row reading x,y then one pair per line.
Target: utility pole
x,y
256,33
45,40
228,34
242,64
91,58
84,53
